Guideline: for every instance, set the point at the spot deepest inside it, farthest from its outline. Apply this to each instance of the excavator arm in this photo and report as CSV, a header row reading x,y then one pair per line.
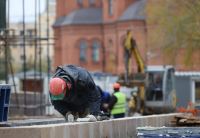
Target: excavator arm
x,y
141,70
139,60
136,79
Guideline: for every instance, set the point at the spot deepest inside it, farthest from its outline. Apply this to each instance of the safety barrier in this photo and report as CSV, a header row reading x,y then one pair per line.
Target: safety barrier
x,y
4,101
114,128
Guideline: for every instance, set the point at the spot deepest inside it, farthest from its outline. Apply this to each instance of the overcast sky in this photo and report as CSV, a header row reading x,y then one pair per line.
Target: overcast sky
x,y
16,9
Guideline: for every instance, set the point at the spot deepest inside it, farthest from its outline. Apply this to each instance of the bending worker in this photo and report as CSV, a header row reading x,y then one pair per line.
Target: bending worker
x,y
73,91
117,104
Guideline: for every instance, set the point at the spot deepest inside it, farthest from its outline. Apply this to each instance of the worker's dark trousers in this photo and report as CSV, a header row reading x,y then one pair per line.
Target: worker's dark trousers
x,y
95,102
95,107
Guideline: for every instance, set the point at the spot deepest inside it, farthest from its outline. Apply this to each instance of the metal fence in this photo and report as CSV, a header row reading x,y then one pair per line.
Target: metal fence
x,y
24,100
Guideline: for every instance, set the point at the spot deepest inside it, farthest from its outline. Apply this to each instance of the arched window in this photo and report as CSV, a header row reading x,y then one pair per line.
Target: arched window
x,y
96,51
91,2
80,2
83,51
110,7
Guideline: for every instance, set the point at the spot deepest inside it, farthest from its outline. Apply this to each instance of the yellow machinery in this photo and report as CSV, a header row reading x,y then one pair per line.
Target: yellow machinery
x,y
151,97
141,72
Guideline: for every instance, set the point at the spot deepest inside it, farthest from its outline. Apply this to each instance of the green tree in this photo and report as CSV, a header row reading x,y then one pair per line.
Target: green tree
x,y
177,27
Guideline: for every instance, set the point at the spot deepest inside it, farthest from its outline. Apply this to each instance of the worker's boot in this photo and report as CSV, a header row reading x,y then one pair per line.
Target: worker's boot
x,y
76,116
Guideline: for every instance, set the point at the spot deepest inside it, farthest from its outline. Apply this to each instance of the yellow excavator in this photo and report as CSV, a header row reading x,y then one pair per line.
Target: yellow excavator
x,y
156,87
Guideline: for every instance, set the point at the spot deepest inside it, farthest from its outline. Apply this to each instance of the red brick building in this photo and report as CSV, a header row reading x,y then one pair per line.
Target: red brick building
x,y
90,33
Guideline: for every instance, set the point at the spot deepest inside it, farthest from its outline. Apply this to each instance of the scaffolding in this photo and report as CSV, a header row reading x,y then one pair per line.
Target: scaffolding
x,y
12,38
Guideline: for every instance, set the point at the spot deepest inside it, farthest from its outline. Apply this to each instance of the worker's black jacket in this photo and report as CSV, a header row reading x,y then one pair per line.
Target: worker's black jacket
x,y
82,92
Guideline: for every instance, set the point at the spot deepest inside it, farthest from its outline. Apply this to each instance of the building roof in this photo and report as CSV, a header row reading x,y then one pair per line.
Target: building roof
x,y
81,16
94,15
135,11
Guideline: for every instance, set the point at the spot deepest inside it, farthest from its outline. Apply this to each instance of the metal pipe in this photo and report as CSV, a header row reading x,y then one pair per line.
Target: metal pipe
x,y
8,14
5,42
48,51
6,59
35,55
48,44
40,58
2,14
24,56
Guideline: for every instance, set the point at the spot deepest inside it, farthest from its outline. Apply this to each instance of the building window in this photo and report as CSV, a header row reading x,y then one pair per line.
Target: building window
x,y
197,91
83,51
91,2
80,2
95,51
110,7
155,88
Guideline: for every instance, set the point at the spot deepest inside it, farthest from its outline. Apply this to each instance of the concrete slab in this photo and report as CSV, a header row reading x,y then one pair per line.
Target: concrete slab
x,y
116,128
30,122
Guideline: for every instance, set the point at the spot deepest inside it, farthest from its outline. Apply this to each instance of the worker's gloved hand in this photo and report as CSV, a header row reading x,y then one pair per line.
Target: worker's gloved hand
x,y
103,116
69,117
88,118
91,118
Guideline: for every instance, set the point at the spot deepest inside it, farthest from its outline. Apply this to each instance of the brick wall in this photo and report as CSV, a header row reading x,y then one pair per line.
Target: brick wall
x,y
110,34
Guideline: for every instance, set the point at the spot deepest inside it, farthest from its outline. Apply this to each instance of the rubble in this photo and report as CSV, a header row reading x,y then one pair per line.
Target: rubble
x,y
186,120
